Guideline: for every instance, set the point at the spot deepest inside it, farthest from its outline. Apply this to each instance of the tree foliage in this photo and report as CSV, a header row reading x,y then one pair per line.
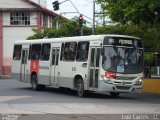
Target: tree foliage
x,y
67,29
145,12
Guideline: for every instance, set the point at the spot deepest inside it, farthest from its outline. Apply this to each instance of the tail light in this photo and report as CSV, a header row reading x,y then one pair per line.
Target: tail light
x,y
110,75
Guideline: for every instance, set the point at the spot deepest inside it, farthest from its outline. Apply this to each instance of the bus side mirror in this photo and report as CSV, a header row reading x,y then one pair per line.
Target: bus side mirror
x,y
102,51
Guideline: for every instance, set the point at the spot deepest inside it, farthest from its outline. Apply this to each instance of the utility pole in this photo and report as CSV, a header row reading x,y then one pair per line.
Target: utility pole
x,y
93,28
103,19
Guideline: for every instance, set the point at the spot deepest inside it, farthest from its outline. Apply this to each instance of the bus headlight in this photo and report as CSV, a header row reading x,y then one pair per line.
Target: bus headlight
x,y
139,82
108,81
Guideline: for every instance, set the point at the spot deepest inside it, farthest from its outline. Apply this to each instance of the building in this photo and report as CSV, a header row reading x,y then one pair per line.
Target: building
x,y
17,19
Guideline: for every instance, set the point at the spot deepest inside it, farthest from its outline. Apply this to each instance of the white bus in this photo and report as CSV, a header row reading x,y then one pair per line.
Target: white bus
x,y
97,63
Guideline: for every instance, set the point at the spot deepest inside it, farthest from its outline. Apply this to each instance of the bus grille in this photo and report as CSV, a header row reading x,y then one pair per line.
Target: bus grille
x,y
123,87
124,78
118,82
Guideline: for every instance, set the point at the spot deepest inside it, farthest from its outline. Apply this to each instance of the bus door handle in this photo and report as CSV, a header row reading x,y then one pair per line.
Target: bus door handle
x,y
84,65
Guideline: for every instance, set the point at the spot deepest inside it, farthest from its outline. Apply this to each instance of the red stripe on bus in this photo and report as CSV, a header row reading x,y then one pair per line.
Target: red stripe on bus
x,y
34,66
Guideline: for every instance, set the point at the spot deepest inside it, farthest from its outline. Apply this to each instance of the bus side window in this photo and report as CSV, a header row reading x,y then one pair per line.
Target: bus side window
x,y
45,52
62,52
70,51
36,49
82,51
17,52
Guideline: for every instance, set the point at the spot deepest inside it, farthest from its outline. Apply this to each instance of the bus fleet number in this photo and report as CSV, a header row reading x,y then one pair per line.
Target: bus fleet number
x,y
73,68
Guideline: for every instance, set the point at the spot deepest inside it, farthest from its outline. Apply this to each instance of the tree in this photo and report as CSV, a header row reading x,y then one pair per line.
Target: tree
x,y
146,12
68,28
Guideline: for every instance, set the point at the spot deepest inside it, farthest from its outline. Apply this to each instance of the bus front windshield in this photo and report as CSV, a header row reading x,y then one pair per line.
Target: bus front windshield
x,y
127,60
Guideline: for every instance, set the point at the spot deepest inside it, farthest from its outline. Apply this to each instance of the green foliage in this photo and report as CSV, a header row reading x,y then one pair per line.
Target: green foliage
x,y
146,12
68,28
148,57
37,35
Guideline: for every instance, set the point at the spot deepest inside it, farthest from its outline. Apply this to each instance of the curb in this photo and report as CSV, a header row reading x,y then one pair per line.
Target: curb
x,y
151,93
5,76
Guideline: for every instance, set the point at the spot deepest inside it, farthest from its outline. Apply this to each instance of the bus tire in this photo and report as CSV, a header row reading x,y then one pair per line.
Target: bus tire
x,y
114,94
80,88
34,83
42,87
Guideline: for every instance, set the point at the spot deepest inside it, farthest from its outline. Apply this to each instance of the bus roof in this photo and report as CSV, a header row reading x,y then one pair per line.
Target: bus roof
x,y
69,39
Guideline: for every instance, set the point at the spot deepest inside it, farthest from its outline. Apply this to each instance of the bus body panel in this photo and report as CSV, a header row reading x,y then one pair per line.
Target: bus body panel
x,y
67,72
44,73
82,70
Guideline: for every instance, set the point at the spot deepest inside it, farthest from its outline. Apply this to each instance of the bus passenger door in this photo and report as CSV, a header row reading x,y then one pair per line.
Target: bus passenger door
x,y
54,65
94,67
24,61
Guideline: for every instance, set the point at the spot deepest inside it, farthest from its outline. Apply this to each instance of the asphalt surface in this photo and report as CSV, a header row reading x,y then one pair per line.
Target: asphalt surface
x,y
18,98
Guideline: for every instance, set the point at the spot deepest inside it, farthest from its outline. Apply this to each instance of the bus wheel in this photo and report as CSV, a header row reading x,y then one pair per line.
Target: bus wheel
x,y
80,88
114,94
34,82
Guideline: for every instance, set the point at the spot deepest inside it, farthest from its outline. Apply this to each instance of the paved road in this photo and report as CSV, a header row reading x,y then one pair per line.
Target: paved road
x,y
17,97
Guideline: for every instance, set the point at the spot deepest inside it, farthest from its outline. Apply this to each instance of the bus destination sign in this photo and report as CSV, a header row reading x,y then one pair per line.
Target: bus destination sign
x,y
119,41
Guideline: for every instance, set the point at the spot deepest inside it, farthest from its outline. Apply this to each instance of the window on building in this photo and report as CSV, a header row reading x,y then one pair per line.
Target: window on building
x,y
82,51
54,23
45,52
36,49
70,51
45,20
17,52
20,18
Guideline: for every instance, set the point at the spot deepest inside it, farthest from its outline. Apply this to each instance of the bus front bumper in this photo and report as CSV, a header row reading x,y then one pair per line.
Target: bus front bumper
x,y
105,87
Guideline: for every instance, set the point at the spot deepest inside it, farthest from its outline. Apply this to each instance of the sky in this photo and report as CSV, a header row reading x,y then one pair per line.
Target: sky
x,y
85,7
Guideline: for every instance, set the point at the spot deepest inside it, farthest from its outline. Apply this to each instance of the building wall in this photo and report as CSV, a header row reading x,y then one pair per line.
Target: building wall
x,y
9,37
15,4
12,34
1,42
